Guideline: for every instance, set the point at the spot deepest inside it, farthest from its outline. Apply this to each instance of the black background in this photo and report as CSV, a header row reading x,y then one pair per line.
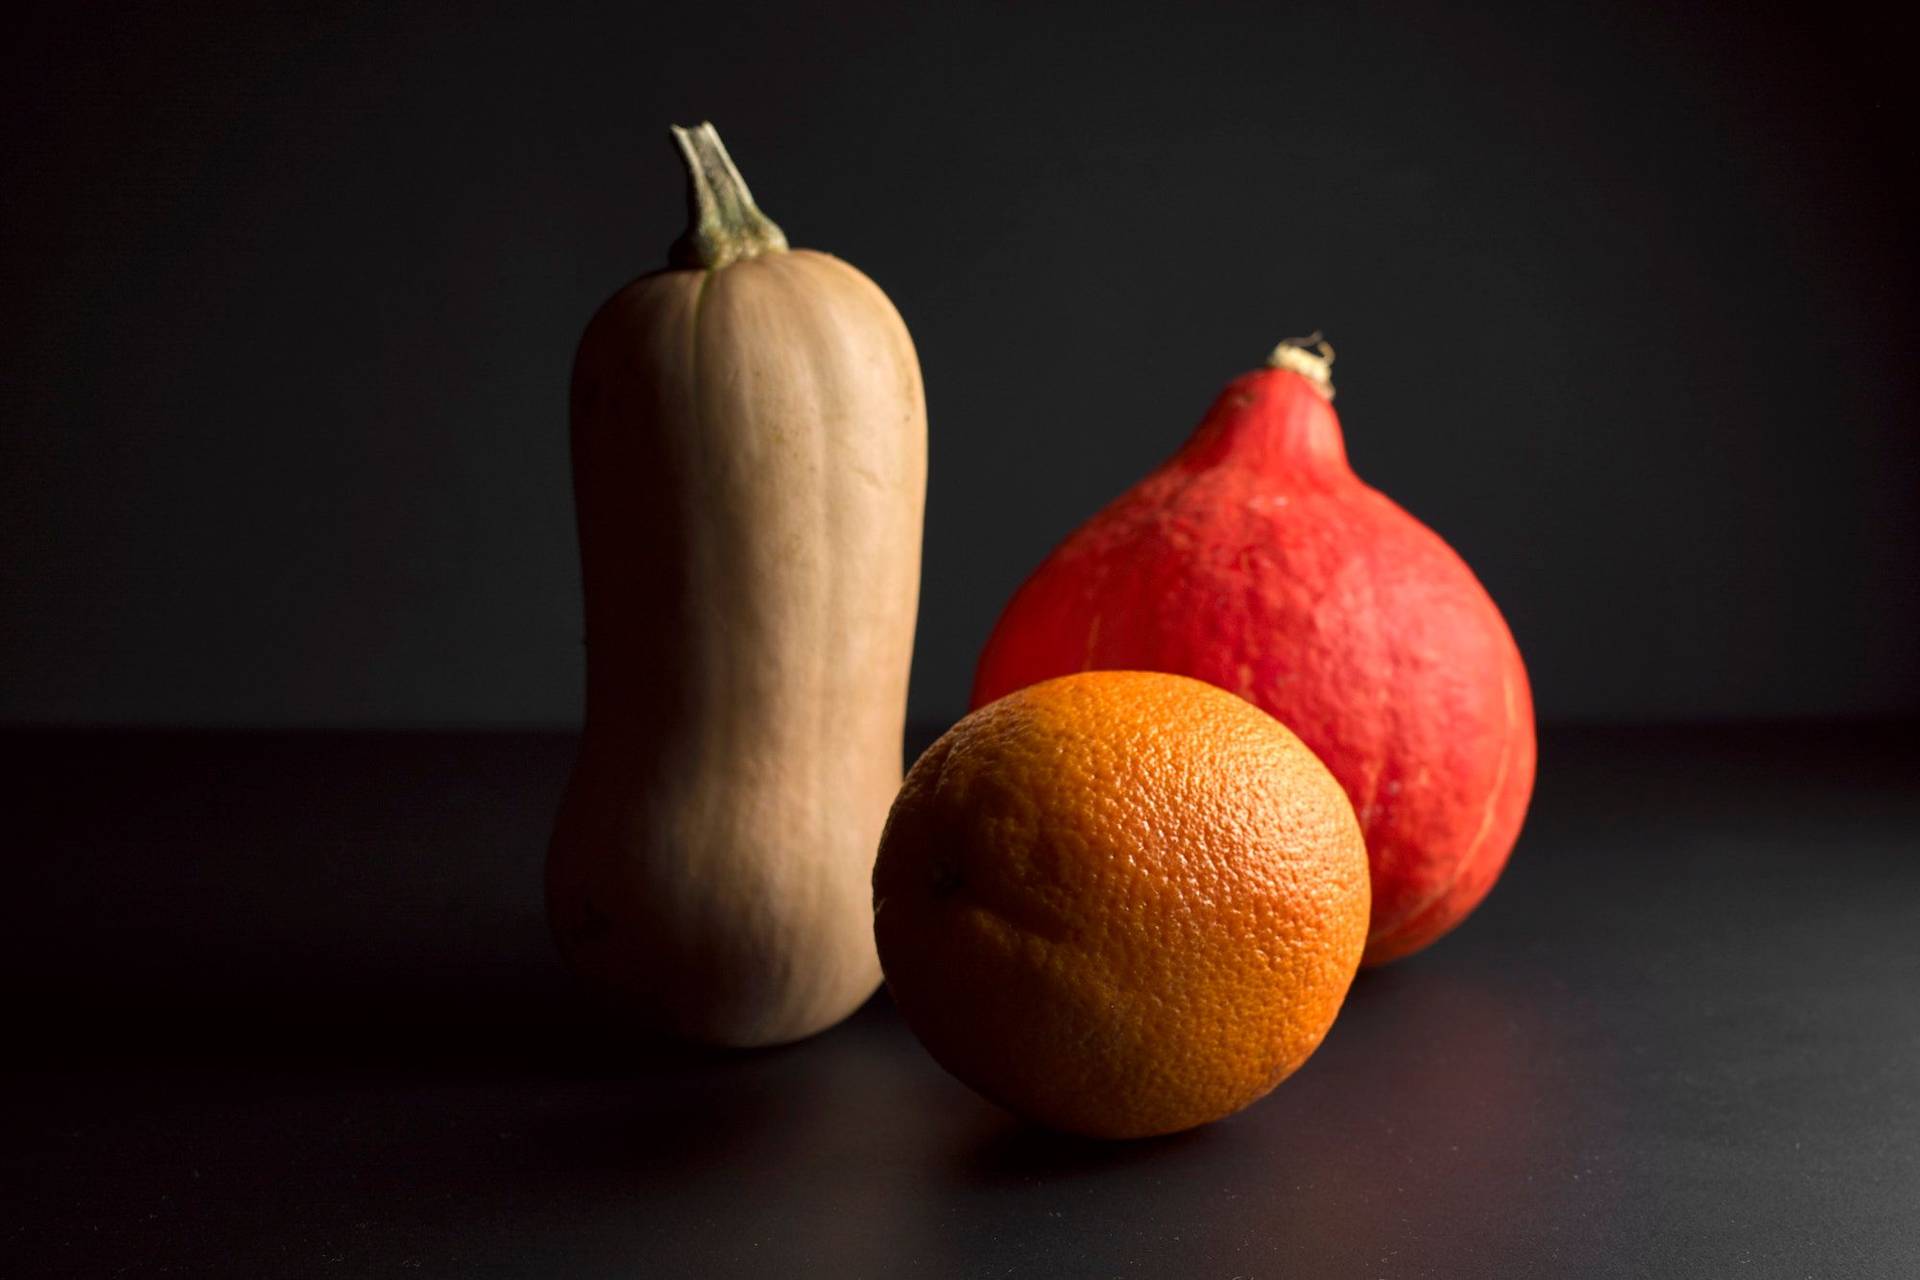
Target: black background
x,y
1624,297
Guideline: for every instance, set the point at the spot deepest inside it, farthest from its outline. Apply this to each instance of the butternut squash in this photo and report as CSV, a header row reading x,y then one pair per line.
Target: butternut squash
x,y
749,459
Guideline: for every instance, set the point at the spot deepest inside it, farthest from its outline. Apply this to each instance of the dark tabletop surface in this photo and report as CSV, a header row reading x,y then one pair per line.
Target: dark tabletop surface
x,y
284,1005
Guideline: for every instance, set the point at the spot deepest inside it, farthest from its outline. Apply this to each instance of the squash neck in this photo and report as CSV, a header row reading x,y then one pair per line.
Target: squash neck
x,y
1275,421
724,225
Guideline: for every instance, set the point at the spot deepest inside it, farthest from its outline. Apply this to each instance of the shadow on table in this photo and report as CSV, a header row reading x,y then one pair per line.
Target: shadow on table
x,y
1009,1150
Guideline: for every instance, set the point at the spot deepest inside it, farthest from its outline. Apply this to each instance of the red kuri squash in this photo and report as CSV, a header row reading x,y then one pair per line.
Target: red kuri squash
x,y
1256,560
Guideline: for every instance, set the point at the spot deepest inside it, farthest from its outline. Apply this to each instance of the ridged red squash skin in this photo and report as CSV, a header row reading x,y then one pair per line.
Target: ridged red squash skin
x,y
1254,559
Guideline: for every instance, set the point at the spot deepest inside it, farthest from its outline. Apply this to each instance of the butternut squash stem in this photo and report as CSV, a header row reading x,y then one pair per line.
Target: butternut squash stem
x,y
723,223
1311,357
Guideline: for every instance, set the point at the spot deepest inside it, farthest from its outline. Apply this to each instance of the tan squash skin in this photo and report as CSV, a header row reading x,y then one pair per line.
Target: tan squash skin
x,y
749,470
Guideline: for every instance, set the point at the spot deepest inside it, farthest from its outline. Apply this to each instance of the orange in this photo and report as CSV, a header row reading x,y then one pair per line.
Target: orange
x,y
1120,903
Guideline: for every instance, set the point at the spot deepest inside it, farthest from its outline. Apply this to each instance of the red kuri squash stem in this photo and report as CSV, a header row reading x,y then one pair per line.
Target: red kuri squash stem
x,y
1311,357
